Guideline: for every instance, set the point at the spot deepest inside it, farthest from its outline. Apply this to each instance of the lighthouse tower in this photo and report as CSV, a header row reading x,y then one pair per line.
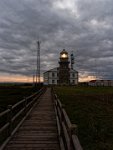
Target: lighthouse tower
x,y
64,75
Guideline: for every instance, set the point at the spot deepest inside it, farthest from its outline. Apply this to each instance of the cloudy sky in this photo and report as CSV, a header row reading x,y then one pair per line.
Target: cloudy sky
x,y
82,26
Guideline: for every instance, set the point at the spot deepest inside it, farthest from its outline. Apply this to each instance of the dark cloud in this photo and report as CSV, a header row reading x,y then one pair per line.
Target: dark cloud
x,y
84,27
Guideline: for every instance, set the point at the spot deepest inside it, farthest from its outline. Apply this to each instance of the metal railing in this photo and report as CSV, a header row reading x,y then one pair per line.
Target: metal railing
x,y
12,118
67,131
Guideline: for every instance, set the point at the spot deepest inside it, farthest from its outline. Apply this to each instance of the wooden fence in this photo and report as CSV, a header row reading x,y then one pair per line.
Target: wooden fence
x,y
12,118
67,131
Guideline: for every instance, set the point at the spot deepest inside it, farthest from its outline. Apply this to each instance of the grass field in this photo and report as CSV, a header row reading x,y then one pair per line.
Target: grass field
x,y
10,95
91,108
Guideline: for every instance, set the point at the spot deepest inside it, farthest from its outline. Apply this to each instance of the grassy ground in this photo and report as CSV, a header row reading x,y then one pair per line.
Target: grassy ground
x,y
10,95
91,108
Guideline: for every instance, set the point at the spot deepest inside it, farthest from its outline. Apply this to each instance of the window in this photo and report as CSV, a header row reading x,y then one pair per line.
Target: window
x,y
53,81
53,74
73,81
73,75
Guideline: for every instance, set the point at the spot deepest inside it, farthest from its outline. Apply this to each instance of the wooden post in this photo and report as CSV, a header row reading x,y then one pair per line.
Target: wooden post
x,y
10,119
73,129
62,115
56,96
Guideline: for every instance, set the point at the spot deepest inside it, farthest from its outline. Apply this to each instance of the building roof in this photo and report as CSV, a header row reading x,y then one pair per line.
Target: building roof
x,y
64,51
93,81
57,68
54,70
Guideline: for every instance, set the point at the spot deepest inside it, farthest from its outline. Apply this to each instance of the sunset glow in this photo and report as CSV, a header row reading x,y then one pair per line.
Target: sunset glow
x,y
17,78
87,78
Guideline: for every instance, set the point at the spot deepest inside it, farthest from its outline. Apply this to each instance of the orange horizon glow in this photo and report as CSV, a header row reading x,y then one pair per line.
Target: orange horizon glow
x,y
87,78
20,78
17,78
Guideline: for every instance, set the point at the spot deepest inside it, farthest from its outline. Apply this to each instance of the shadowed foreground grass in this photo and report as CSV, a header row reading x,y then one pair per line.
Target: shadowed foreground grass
x,y
9,95
91,108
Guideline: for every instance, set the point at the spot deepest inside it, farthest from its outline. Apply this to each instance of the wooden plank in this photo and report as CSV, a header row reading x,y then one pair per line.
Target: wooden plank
x,y
4,127
76,143
66,136
35,138
4,112
35,132
30,148
34,142
38,145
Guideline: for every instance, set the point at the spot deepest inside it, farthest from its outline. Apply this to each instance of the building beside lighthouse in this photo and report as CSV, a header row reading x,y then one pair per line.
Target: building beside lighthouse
x,y
64,74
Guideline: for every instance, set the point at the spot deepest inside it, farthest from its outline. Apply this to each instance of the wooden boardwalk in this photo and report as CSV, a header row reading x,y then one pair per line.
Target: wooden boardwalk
x,y
39,130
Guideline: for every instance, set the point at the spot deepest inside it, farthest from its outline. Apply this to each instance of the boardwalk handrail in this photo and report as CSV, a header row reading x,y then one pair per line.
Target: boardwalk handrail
x,y
15,115
66,130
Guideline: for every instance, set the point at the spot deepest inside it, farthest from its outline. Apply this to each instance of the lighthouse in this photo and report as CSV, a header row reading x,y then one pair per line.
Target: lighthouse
x,y
64,74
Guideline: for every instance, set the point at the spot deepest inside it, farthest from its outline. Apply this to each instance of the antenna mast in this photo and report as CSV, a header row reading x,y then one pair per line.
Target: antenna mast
x,y
72,60
38,63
